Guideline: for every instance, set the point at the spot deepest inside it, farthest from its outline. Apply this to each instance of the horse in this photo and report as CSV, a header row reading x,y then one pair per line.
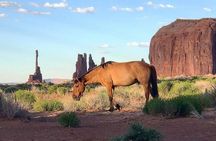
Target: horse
x,y
112,74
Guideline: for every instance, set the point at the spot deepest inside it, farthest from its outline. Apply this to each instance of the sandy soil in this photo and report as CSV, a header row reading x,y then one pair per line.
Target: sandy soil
x,y
102,126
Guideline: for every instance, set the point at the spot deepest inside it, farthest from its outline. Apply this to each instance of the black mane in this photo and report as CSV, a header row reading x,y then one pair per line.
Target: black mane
x,y
101,65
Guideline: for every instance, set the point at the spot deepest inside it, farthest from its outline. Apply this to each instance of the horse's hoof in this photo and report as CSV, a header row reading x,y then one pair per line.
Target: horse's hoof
x,y
111,109
118,107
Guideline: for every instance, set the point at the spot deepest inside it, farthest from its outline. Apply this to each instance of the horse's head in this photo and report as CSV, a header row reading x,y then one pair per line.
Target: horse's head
x,y
78,89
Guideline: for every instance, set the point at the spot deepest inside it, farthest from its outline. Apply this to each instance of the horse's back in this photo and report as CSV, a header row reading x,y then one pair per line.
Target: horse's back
x,y
128,73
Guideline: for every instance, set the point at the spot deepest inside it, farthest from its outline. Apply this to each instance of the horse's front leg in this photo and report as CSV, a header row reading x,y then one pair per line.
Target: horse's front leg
x,y
110,94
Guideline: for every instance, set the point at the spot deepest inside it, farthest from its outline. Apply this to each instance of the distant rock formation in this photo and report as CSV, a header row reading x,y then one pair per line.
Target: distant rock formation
x,y
81,64
102,60
91,63
185,47
37,76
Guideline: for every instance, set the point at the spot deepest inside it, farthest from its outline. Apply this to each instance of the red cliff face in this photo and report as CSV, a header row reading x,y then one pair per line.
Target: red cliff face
x,y
185,47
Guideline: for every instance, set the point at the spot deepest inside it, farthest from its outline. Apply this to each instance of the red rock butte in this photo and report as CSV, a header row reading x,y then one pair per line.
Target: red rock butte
x,y
81,65
185,48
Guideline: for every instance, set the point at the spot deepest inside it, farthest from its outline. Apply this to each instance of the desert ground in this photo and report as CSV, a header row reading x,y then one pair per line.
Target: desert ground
x,y
103,126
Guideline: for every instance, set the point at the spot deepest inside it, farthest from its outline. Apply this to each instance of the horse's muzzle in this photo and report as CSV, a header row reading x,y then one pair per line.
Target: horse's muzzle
x,y
77,98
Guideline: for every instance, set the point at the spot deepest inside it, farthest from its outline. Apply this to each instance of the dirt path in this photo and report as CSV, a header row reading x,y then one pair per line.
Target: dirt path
x,y
103,126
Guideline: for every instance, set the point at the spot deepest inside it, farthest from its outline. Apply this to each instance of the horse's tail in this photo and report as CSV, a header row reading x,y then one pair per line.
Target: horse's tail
x,y
153,82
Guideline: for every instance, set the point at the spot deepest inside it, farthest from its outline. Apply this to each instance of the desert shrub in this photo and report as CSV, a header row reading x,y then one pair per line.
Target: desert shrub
x,y
178,106
137,132
52,89
10,89
91,101
10,108
25,98
47,105
42,88
69,119
95,101
1,91
62,90
154,106
24,86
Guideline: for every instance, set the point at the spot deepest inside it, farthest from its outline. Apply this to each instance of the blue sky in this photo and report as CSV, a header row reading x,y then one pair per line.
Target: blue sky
x,y
119,30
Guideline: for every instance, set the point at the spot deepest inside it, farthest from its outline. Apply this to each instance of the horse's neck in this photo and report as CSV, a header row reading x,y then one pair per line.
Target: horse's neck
x,y
92,77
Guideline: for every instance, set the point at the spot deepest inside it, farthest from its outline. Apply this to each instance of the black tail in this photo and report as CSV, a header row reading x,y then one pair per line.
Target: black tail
x,y
153,82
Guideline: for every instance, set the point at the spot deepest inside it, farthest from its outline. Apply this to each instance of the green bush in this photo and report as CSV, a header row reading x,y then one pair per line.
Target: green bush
x,y
183,88
10,89
47,105
137,132
180,106
154,107
25,98
52,89
69,119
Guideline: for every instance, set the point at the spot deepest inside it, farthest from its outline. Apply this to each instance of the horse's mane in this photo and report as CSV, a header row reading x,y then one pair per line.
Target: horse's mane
x,y
104,65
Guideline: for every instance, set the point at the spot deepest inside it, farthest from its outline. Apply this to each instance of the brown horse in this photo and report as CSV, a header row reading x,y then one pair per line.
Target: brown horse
x,y
112,74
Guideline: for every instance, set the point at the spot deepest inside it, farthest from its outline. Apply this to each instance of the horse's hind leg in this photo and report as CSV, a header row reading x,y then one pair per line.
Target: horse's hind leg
x,y
147,91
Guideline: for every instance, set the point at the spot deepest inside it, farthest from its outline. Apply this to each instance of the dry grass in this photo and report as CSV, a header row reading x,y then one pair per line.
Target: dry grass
x,y
203,85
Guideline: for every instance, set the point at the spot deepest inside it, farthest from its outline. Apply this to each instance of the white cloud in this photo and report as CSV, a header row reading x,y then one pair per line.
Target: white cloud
x,y
84,10
138,44
160,5
8,4
40,13
149,3
104,46
207,9
114,8
170,6
2,15
25,11
22,10
127,9
140,8
62,4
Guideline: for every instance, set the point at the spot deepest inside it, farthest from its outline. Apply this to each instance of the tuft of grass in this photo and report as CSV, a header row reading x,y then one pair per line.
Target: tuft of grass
x,y
47,105
137,132
69,119
165,86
